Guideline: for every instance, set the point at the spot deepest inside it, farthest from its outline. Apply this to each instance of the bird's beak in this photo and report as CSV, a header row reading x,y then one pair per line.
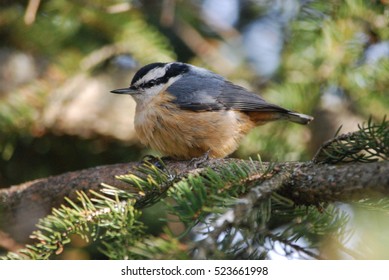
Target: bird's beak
x,y
128,90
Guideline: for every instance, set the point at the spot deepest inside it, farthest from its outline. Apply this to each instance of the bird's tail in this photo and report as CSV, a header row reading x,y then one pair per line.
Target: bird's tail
x,y
260,117
298,118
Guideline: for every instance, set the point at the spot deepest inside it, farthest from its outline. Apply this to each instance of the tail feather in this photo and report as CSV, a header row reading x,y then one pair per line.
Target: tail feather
x,y
298,118
261,117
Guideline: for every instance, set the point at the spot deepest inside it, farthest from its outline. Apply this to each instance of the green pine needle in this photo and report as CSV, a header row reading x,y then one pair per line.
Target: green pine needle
x,y
370,143
91,219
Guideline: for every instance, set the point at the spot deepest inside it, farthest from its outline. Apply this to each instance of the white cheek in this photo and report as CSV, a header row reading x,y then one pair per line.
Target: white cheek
x,y
146,97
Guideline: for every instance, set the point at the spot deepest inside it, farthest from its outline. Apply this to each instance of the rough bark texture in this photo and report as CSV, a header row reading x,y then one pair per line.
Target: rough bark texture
x,y
304,183
21,206
315,183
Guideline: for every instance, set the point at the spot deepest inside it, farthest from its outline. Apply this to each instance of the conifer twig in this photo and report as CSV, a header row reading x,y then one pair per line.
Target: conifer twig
x,y
368,144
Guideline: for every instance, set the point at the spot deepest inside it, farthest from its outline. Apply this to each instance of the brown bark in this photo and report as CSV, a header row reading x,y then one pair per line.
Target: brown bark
x,y
315,183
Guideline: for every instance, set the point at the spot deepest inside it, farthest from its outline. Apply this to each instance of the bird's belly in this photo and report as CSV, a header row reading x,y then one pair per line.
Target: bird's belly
x,y
185,134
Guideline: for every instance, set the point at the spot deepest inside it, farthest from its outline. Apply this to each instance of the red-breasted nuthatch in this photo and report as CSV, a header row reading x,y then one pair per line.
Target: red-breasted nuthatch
x,y
184,111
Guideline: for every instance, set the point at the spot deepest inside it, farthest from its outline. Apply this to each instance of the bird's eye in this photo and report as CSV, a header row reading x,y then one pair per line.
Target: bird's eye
x,y
151,83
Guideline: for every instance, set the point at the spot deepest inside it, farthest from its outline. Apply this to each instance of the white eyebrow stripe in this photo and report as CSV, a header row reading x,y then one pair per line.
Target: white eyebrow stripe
x,y
153,74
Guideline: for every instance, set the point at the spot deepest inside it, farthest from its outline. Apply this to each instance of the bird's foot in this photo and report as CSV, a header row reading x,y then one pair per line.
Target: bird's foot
x,y
196,162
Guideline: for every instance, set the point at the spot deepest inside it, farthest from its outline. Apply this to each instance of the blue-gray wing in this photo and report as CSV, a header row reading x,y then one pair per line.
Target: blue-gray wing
x,y
212,92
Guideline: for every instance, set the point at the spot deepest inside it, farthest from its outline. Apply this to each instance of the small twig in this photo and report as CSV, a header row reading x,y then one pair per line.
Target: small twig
x,y
322,150
32,9
369,143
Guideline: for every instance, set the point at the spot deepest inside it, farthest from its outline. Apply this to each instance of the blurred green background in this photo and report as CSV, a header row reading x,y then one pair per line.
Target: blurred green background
x,y
59,60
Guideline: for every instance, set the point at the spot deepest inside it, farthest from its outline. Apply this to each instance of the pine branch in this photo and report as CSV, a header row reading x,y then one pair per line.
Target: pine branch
x,y
252,218
21,206
100,217
312,184
370,143
208,195
239,213
309,184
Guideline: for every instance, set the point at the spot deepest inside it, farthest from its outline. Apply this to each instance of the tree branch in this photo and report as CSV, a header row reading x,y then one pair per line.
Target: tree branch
x,y
311,184
303,183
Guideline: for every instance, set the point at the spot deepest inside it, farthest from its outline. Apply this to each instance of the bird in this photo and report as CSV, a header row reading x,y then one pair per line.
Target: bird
x,y
184,111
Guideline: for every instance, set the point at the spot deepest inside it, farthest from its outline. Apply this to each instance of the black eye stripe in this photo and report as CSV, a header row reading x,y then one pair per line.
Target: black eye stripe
x,y
175,69
155,82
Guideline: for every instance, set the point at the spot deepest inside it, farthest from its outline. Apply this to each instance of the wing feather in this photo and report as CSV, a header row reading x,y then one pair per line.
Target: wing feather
x,y
213,92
